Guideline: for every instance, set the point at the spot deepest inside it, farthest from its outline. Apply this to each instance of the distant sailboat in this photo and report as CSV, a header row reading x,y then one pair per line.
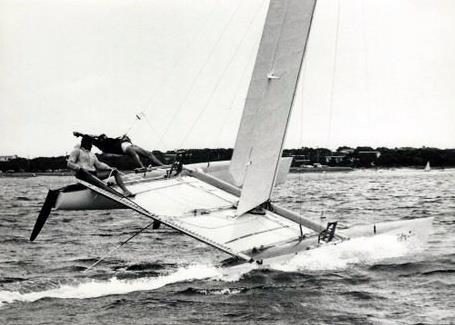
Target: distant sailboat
x,y
427,167
228,205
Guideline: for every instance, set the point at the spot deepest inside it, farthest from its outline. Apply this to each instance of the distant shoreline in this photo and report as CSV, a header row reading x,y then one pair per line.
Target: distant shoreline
x,y
304,160
31,174
320,169
293,170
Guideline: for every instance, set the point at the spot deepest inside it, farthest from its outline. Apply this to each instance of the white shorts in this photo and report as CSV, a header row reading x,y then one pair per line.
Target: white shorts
x,y
125,145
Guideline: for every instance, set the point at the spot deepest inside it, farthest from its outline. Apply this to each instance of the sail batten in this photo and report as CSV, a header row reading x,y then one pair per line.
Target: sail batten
x,y
270,96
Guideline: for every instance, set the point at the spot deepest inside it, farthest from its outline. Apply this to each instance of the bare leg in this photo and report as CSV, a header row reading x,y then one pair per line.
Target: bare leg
x,y
120,183
147,154
130,151
118,179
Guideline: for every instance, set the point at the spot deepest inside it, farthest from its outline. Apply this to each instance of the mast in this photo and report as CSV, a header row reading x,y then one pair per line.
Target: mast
x,y
270,96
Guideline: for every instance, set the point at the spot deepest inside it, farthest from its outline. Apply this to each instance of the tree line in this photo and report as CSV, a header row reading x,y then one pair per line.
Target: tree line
x,y
344,156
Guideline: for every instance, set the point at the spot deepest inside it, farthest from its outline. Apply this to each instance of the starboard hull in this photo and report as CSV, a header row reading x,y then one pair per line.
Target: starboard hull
x,y
415,231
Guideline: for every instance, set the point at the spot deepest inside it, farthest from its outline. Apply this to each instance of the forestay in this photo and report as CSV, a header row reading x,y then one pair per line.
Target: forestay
x,y
267,109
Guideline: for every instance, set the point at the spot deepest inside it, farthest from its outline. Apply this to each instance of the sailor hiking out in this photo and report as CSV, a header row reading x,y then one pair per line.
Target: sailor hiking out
x,y
121,146
83,160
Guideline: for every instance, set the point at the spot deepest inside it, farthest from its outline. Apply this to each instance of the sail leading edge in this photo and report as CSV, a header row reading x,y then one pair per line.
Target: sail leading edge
x,y
262,130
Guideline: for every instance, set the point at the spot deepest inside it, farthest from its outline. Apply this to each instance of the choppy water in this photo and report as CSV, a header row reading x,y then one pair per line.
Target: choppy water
x,y
163,277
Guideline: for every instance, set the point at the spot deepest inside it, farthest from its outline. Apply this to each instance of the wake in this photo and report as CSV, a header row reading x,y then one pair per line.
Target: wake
x,y
362,250
367,250
114,286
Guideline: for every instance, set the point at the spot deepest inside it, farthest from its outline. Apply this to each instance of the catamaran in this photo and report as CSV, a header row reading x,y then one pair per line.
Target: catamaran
x,y
228,205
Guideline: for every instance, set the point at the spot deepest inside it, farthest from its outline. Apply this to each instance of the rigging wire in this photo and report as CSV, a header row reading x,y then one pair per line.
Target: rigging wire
x,y
152,99
301,142
141,116
235,94
218,82
203,66
332,97
146,119
367,77
365,61
334,72
137,117
108,254
302,81
303,78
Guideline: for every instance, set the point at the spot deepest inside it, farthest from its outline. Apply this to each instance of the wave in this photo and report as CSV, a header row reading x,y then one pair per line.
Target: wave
x,y
361,295
216,292
112,286
365,251
23,198
148,266
439,272
115,286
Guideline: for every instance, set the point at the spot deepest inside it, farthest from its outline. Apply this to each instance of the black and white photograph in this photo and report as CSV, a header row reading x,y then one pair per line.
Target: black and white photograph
x,y
227,162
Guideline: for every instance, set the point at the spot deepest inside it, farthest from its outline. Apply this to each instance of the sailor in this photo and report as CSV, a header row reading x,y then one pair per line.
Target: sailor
x,y
82,158
121,146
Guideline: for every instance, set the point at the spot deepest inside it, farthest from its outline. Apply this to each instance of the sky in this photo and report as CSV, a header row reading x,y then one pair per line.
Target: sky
x,y
376,72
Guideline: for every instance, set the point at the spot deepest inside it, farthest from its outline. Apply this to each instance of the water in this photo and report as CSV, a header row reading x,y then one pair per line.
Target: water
x,y
162,277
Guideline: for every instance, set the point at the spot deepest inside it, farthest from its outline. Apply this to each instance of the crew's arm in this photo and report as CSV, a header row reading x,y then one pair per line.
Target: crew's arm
x,y
72,159
78,134
101,166
95,138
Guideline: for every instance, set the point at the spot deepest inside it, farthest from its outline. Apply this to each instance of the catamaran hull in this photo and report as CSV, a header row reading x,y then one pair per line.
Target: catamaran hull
x,y
414,230
84,199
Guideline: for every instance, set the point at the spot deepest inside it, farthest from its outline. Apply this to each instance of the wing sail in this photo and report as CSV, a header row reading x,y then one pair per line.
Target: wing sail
x,y
270,96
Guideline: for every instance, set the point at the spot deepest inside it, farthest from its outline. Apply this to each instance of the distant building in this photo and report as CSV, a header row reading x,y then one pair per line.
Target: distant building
x,y
334,159
8,158
345,151
300,160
